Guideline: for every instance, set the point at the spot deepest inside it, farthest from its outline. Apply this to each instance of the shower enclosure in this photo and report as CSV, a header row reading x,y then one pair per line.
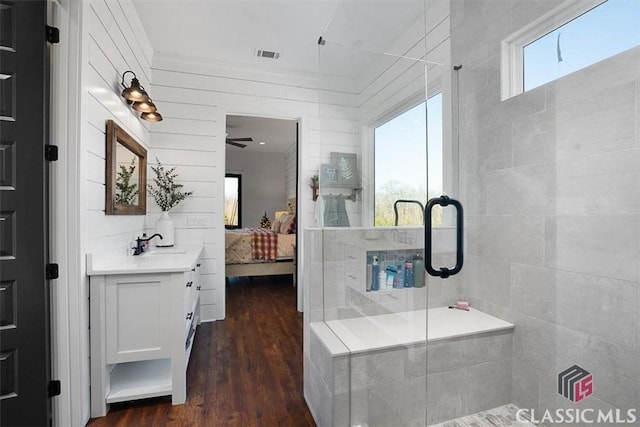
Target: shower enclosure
x,y
526,114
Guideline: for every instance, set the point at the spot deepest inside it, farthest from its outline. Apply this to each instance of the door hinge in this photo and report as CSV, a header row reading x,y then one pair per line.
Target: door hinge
x,y
51,152
54,388
52,271
53,34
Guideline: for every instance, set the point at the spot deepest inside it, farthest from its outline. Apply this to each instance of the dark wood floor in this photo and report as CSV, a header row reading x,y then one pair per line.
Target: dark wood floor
x,y
244,371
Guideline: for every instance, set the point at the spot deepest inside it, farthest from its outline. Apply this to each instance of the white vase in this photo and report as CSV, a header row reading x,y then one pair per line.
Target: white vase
x,y
164,227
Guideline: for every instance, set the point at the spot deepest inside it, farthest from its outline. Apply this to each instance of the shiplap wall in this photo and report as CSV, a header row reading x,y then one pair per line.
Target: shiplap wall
x,y
112,43
196,96
291,171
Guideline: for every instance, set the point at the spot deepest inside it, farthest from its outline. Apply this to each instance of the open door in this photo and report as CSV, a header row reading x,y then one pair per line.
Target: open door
x,y
24,305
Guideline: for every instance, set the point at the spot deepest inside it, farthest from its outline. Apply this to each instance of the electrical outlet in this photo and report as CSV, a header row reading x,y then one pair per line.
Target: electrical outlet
x,y
197,222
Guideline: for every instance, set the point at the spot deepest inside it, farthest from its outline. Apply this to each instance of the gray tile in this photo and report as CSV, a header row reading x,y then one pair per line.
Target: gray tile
x,y
637,320
534,342
612,180
602,131
525,190
487,386
614,368
415,363
570,191
586,244
493,149
509,238
534,138
319,398
489,279
377,368
444,400
598,306
533,291
525,385
397,404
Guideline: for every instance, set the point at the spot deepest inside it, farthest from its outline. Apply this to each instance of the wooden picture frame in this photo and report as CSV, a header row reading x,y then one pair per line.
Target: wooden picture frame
x,y
118,140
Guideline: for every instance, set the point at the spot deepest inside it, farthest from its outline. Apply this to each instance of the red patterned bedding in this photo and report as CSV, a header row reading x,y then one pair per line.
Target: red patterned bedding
x,y
239,247
264,244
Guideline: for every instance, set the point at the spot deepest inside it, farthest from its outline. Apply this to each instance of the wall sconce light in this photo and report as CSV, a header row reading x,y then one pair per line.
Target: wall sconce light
x,y
139,99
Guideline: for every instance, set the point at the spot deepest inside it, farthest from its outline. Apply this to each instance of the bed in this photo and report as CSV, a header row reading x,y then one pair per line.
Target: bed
x,y
245,256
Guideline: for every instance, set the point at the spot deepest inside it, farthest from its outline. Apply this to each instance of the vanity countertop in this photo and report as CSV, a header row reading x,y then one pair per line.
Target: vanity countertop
x,y
157,260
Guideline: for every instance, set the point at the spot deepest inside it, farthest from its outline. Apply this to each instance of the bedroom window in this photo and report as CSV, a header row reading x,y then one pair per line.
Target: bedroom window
x,y
232,201
400,159
568,39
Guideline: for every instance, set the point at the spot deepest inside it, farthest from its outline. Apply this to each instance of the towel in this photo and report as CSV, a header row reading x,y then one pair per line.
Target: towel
x,y
335,211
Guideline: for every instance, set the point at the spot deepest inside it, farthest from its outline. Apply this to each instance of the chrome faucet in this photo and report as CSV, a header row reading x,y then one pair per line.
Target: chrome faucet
x,y
139,249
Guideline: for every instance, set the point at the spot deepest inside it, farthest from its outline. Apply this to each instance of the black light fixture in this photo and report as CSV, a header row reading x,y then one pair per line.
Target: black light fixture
x,y
134,92
139,99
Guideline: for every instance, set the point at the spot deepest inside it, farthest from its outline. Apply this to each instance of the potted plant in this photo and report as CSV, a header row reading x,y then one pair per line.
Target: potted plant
x,y
167,194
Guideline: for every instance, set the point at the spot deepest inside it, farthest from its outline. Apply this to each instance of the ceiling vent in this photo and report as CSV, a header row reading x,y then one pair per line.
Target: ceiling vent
x,y
267,54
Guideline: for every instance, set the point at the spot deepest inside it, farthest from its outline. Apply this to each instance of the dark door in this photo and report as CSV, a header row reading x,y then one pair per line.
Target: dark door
x,y
24,314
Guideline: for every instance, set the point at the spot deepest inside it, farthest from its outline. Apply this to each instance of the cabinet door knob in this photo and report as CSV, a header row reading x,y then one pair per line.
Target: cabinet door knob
x,y
193,269
197,265
190,315
189,284
198,287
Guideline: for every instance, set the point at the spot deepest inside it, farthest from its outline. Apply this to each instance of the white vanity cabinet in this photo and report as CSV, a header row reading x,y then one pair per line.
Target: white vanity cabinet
x,y
144,315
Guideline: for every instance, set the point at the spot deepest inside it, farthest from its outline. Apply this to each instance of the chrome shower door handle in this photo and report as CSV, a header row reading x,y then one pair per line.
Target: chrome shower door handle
x,y
443,272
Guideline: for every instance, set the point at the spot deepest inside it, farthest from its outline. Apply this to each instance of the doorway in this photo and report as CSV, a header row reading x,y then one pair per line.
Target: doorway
x,y
261,154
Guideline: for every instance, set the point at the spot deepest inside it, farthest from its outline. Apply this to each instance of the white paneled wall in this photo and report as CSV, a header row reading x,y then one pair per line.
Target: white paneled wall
x,y
113,47
291,171
112,43
195,97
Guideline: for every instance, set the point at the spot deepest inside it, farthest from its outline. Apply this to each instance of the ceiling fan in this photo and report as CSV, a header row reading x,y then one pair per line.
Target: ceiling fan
x,y
234,141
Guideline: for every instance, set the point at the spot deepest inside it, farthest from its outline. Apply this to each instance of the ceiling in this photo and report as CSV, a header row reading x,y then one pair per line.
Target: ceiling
x,y
278,135
232,30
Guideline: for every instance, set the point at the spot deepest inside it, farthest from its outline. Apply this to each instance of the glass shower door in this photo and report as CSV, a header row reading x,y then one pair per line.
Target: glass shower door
x,y
543,107
374,293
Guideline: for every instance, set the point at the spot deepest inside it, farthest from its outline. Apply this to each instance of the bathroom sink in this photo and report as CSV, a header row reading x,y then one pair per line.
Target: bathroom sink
x,y
163,252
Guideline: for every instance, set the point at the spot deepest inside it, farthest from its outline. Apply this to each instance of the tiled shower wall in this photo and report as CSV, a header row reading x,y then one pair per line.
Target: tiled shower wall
x,y
550,182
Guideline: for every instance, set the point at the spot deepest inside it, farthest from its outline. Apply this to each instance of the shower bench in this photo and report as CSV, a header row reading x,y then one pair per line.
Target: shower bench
x,y
370,370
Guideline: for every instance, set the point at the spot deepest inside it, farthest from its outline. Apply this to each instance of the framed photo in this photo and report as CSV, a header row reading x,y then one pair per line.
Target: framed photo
x,y
328,175
346,165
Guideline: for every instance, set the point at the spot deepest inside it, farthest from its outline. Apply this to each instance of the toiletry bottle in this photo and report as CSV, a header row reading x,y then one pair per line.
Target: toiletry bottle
x,y
418,271
375,274
145,245
398,280
408,274
391,275
369,281
382,278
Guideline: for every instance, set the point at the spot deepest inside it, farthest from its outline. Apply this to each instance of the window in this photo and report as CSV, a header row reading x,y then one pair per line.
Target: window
x,y
400,159
232,200
568,39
